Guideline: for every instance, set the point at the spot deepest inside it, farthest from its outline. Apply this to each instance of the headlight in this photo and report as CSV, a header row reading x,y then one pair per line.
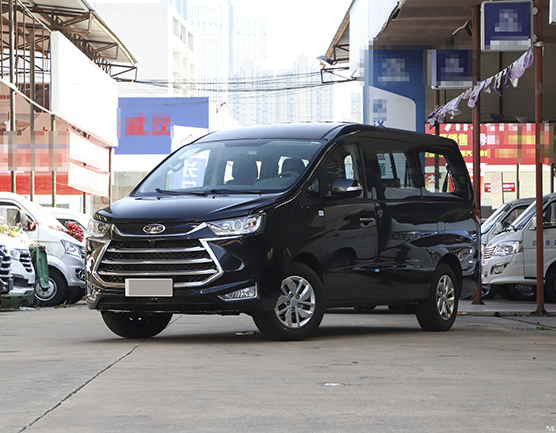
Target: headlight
x,y
237,226
16,254
97,229
508,248
73,249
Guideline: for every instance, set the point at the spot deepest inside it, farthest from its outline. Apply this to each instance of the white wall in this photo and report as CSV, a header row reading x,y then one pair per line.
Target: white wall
x,y
82,93
366,19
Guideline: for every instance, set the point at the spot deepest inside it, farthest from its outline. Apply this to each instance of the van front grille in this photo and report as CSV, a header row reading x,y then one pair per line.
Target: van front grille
x,y
487,253
186,261
5,272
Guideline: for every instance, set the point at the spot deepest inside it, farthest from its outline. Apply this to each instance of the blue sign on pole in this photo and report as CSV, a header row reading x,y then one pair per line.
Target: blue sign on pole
x,y
452,69
506,26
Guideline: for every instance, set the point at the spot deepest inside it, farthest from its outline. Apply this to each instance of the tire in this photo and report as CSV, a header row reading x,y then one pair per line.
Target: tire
x,y
136,325
74,294
438,312
56,291
522,292
298,309
488,291
550,286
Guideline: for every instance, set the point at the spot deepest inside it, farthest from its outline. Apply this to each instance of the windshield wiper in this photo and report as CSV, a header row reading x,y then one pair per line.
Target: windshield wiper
x,y
232,191
183,192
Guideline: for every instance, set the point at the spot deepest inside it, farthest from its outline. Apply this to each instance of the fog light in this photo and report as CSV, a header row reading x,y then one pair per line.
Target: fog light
x,y
241,294
498,269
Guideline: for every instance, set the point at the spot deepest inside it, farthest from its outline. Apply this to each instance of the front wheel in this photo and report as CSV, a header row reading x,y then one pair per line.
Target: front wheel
x,y
298,309
488,291
438,312
55,293
136,325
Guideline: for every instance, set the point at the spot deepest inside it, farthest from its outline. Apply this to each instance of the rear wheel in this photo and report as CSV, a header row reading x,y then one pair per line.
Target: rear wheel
x,y
136,325
74,294
438,312
550,286
522,292
298,309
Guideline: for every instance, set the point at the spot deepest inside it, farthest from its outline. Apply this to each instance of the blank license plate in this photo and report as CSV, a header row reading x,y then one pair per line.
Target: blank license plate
x,y
151,287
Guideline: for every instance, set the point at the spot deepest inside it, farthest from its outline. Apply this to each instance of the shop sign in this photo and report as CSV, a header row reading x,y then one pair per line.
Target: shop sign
x,y
506,26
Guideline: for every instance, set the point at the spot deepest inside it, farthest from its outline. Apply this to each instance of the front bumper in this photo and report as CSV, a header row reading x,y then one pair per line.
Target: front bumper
x,y
499,270
203,272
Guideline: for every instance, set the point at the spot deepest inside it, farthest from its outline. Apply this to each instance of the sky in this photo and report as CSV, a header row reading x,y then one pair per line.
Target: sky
x,y
303,27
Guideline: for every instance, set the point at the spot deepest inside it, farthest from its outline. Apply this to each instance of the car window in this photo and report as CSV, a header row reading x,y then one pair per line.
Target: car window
x,y
343,163
235,166
549,216
445,175
391,169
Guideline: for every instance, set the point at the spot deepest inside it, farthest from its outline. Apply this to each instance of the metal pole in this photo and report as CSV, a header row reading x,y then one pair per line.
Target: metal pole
x,y
32,111
539,156
53,156
477,296
110,175
11,115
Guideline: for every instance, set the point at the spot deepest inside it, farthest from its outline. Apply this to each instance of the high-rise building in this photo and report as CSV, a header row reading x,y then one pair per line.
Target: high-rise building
x,y
163,43
264,96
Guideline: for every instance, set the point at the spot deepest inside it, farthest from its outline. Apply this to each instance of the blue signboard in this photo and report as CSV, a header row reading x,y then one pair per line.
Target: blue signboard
x,y
394,94
146,125
506,26
452,69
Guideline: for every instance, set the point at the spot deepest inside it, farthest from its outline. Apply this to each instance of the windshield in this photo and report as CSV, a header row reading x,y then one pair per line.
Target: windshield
x,y
231,167
485,227
524,218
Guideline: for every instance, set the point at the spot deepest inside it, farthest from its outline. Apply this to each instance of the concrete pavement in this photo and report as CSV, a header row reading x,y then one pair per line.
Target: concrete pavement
x,y
64,371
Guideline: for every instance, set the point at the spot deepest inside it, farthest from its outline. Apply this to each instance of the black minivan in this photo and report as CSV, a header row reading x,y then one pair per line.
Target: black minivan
x,y
282,222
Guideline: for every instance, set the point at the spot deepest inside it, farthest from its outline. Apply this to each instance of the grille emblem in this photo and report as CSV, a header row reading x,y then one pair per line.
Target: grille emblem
x,y
154,229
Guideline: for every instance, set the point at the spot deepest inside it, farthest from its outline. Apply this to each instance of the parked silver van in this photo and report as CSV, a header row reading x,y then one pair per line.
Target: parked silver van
x,y
499,221
510,258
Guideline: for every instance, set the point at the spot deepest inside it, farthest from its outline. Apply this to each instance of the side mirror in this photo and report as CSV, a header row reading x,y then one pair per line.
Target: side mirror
x,y
346,188
498,227
31,225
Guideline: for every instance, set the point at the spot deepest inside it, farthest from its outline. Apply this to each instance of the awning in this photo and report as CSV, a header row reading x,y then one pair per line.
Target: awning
x,y
83,26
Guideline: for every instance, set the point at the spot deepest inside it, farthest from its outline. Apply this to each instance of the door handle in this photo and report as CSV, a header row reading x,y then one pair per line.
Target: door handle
x,y
367,220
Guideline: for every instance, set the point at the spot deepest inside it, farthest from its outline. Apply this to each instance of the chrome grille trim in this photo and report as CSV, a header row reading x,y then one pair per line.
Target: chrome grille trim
x,y
155,273
157,262
155,250
111,270
487,254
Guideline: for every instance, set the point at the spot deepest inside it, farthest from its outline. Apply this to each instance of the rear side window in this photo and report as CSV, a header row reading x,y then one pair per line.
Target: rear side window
x,y
445,175
392,169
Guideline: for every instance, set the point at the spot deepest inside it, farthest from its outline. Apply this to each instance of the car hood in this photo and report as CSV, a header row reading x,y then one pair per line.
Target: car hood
x,y
184,208
506,236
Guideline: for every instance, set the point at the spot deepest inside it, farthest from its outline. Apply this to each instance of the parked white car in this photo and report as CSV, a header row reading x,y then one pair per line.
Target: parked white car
x,y
22,271
65,254
510,258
